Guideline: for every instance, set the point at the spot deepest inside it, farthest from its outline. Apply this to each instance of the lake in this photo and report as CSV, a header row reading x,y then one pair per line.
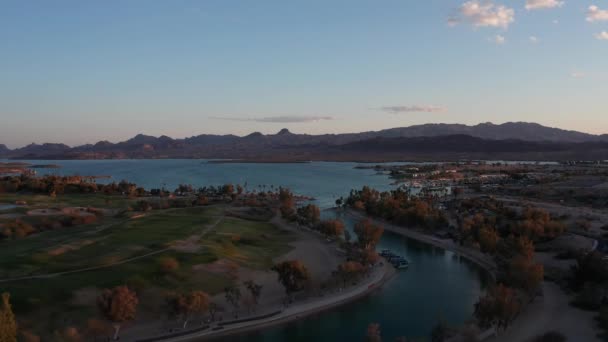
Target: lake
x,y
437,285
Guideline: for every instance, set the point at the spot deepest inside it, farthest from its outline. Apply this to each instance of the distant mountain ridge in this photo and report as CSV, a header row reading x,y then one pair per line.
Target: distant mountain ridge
x,y
256,145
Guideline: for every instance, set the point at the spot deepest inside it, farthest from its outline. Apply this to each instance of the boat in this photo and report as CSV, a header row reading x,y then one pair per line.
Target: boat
x,y
386,253
397,261
401,264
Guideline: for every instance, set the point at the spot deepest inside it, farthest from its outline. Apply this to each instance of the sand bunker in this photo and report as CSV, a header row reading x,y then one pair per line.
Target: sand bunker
x,y
222,266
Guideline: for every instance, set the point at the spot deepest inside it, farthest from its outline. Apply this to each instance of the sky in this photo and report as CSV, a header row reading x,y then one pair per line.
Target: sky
x,y
82,71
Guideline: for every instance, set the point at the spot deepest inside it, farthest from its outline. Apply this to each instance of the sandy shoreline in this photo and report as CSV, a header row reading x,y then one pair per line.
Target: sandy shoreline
x,y
297,311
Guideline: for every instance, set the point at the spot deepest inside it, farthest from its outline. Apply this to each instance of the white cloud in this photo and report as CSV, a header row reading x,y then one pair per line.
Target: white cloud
x,y
533,39
577,74
594,13
278,119
484,13
412,109
498,39
541,4
602,35
555,21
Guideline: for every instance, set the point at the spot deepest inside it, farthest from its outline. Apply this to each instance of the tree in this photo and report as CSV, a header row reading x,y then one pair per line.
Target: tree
x,y
524,274
349,270
287,204
186,305
332,228
228,189
373,333
118,305
96,328
292,275
368,257
339,202
213,309
254,289
8,325
309,215
498,307
168,265
368,233
69,334
233,296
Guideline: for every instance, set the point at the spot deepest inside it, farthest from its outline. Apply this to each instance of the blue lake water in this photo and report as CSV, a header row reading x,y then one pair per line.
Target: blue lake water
x,y
437,285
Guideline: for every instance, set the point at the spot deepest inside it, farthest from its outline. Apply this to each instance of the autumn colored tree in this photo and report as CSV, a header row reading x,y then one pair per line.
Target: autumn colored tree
x,y
525,274
368,256
168,265
498,307
349,270
96,328
287,204
118,305
8,324
536,224
488,239
368,233
292,275
373,333
69,334
332,228
188,304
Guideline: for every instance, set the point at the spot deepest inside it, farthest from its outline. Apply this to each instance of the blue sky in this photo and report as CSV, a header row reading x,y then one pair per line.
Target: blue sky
x,y
83,71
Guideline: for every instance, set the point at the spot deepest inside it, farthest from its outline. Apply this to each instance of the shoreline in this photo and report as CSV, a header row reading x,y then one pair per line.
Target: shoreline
x,y
294,312
474,256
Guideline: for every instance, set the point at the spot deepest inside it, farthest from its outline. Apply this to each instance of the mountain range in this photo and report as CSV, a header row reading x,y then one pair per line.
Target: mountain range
x,y
512,140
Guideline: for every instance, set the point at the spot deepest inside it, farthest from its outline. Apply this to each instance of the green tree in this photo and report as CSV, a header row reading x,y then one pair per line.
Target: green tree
x,y
8,325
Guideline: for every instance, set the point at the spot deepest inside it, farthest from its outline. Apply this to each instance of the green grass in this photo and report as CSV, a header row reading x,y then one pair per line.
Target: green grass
x,y
249,243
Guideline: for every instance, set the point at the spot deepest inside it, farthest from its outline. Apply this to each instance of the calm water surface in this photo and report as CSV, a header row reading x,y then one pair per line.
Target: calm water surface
x,y
437,285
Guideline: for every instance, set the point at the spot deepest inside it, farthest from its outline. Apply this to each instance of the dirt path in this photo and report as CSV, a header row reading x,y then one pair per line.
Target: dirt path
x,y
298,310
551,312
